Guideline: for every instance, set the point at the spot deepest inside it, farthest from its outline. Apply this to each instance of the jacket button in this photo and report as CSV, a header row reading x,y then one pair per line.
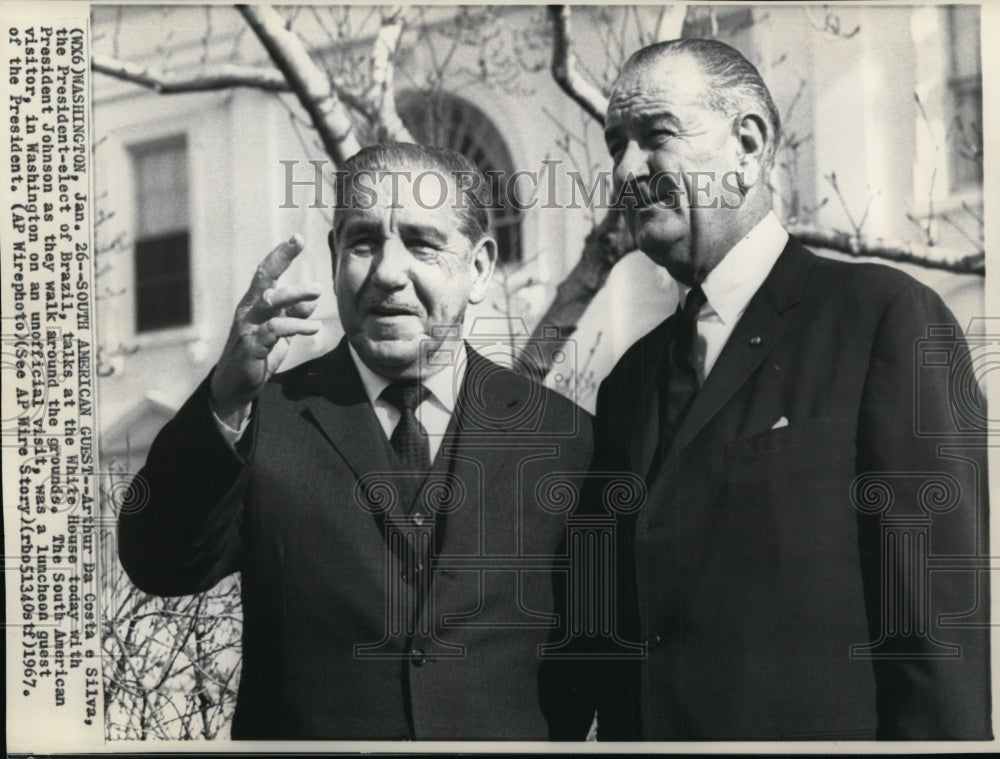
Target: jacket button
x,y
653,640
418,658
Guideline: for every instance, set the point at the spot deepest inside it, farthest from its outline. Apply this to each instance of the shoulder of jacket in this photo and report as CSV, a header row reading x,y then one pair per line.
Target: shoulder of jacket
x,y
875,279
521,386
636,356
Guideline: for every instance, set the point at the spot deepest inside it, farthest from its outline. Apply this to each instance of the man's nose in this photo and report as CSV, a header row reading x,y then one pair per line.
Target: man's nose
x,y
633,164
391,268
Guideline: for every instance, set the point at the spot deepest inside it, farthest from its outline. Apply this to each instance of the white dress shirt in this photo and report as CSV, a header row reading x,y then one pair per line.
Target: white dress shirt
x,y
434,412
731,284
437,407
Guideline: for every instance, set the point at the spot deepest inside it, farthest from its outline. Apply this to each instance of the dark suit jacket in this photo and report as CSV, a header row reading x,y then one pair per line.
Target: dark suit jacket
x,y
751,571
327,576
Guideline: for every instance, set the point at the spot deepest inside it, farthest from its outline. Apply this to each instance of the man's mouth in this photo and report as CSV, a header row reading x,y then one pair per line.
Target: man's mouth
x,y
662,191
389,310
648,196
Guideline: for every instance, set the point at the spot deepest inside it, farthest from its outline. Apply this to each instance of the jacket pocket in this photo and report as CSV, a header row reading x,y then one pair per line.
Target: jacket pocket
x,y
811,444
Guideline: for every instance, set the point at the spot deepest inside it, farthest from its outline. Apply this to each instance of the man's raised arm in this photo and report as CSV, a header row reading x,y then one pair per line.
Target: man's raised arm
x,y
181,533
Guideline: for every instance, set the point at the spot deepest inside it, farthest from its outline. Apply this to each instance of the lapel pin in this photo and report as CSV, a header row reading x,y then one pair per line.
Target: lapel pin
x,y
756,340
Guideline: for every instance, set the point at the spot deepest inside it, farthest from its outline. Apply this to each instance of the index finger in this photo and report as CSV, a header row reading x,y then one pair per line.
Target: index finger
x,y
275,264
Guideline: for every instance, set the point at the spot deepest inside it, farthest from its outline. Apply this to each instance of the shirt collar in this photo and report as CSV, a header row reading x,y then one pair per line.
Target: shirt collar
x,y
734,280
443,385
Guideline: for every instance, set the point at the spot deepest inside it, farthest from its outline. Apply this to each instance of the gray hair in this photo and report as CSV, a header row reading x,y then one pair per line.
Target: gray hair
x,y
474,219
733,82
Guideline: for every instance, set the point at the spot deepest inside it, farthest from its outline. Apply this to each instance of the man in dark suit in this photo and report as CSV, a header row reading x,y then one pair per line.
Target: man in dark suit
x,y
809,560
379,501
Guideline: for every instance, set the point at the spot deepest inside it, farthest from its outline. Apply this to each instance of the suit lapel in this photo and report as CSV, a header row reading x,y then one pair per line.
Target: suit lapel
x,y
754,337
469,453
447,462
489,397
336,403
490,408
645,430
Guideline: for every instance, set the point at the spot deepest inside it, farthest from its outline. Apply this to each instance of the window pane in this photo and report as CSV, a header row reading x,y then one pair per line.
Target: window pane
x,y
508,239
162,255
162,212
161,188
965,40
163,282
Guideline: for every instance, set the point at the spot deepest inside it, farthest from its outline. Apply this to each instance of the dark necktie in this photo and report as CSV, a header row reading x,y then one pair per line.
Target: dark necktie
x,y
682,382
409,439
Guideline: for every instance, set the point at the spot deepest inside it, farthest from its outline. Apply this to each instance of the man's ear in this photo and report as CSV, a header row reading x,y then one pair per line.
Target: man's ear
x,y
754,138
483,260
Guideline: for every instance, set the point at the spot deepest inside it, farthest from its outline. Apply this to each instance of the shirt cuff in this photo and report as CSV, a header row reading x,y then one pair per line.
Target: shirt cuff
x,y
229,434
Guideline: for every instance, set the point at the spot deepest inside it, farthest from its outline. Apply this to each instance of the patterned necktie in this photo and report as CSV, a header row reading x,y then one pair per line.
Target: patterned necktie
x,y
409,439
682,382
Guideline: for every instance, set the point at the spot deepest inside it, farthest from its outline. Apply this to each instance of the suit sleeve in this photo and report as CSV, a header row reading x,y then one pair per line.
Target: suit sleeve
x,y
180,533
601,682
565,681
933,682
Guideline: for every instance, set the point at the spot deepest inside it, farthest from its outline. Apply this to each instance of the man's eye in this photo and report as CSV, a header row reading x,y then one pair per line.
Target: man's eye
x,y
363,246
659,136
422,245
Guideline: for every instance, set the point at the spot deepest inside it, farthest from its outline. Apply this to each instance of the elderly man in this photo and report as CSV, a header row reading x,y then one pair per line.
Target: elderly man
x,y
781,571
378,501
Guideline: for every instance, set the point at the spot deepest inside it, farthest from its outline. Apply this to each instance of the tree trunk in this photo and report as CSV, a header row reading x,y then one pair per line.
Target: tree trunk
x,y
605,246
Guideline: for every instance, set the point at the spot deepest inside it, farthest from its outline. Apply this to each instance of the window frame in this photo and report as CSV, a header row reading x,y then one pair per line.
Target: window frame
x,y
137,152
133,149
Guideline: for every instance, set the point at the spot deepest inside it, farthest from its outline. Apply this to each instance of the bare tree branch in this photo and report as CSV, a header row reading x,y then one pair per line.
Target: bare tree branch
x,y
208,77
900,252
213,77
670,22
306,79
383,59
564,67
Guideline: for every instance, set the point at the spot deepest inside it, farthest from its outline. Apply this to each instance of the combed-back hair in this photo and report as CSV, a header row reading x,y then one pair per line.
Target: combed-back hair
x,y
733,82
457,171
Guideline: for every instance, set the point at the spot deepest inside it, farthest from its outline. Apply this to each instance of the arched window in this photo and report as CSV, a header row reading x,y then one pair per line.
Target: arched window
x,y
447,121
